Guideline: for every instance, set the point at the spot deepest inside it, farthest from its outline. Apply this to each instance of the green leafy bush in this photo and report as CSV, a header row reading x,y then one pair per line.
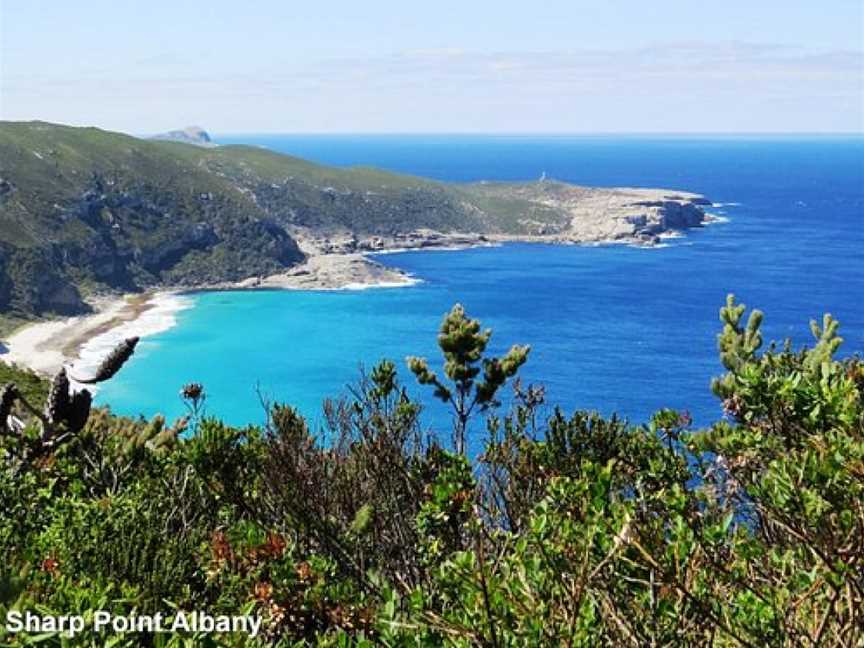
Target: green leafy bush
x,y
570,530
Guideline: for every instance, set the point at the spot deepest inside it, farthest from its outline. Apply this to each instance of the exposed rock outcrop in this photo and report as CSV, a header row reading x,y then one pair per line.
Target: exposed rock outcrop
x,y
599,214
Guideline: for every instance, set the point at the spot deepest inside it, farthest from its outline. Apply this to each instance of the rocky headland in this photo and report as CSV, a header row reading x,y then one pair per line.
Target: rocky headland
x,y
87,213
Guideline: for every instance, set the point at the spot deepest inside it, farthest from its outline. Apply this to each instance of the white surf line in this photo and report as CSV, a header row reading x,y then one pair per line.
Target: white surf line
x,y
158,318
409,281
456,247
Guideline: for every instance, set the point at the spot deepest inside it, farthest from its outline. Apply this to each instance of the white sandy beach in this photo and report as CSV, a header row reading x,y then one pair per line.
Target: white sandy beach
x,y
82,342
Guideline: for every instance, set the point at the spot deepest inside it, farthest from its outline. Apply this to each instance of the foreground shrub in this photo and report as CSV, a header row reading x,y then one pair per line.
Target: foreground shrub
x,y
561,530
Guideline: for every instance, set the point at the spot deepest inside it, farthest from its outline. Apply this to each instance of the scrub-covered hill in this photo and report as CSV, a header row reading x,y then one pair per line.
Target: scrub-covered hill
x,y
84,210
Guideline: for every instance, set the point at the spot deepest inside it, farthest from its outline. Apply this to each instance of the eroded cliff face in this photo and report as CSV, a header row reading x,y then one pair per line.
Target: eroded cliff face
x,y
5,281
132,234
116,232
662,215
31,283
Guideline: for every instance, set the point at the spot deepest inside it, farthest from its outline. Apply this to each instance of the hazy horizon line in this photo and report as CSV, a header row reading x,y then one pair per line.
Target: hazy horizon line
x,y
537,133
456,133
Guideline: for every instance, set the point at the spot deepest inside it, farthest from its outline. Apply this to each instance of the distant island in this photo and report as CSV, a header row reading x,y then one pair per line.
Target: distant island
x,y
189,135
85,211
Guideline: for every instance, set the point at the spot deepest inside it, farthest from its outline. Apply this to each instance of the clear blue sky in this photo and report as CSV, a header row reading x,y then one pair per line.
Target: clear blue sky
x,y
443,66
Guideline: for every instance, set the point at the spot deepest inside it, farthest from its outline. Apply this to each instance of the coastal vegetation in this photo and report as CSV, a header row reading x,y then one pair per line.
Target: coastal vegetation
x,y
561,529
85,211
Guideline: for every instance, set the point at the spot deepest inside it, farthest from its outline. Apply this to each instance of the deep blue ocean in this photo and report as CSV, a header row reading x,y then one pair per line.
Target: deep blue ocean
x,y
613,328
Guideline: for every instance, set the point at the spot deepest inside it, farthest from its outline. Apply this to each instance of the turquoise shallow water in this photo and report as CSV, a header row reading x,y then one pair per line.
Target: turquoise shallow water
x,y
612,328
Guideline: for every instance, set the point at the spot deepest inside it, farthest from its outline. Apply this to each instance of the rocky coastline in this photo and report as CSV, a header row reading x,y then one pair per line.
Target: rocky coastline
x,y
342,260
89,216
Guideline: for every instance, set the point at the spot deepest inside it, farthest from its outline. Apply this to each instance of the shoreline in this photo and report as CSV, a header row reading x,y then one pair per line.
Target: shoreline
x,y
83,341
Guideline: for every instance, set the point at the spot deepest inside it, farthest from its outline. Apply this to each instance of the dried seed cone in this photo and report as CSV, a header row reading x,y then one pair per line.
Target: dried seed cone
x,y
8,395
112,364
57,404
192,391
79,410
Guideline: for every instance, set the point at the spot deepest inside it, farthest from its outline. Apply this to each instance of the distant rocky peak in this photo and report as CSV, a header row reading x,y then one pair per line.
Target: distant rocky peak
x,y
189,135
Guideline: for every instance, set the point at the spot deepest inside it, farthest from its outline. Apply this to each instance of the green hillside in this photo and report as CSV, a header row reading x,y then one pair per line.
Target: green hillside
x,y
83,210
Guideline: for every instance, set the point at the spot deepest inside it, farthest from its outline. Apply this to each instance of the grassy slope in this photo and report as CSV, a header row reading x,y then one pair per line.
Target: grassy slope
x,y
69,157
482,207
83,209
50,164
